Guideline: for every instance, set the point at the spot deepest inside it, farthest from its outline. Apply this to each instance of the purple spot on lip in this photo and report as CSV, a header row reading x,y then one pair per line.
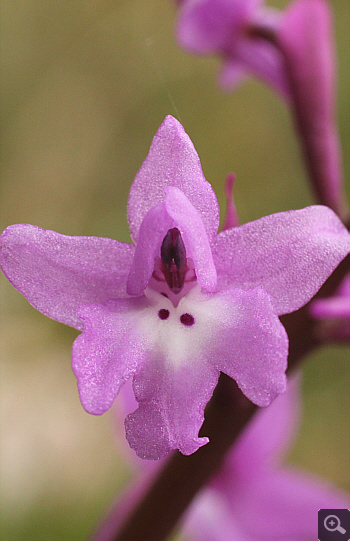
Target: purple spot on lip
x,y
163,313
187,319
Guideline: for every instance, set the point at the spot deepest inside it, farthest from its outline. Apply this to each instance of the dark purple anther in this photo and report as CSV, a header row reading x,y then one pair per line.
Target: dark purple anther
x,y
174,261
163,313
187,319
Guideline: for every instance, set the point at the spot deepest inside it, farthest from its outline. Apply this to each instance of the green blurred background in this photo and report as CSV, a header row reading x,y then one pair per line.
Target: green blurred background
x,y
84,86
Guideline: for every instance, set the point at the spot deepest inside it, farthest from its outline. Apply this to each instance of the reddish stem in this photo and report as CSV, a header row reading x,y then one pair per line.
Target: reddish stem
x,y
226,415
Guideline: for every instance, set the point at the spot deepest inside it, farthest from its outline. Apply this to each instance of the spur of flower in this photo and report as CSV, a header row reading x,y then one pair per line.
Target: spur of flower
x,y
182,303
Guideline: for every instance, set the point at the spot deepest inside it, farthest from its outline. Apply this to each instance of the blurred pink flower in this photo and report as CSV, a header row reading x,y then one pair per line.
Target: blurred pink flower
x,y
181,305
292,51
253,496
226,27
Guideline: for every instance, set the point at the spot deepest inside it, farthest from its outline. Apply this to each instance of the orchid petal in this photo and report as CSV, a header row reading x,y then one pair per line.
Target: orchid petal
x,y
171,410
176,211
108,352
231,218
335,307
223,27
336,311
289,254
191,227
252,347
152,232
235,332
57,273
172,161
179,377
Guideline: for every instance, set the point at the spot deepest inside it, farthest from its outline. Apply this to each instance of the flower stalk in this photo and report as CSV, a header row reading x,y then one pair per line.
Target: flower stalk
x,y
306,42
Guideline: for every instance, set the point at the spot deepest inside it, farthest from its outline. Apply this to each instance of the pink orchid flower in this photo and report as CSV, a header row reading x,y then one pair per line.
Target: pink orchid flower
x,y
253,496
181,304
293,52
228,28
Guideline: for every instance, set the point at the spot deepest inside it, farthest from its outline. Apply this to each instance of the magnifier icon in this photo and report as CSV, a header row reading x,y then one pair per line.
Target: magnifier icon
x,y
332,524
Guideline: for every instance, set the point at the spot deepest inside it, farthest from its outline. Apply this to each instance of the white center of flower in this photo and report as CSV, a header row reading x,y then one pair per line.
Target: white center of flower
x,y
180,333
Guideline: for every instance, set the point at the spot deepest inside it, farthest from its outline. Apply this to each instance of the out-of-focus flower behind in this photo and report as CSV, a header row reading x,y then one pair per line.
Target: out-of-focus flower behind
x,y
253,495
226,28
293,52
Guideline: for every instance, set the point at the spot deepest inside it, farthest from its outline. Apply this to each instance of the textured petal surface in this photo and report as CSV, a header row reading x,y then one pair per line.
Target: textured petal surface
x,y
108,352
172,161
180,376
57,273
178,379
171,411
235,332
252,346
289,254
306,40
